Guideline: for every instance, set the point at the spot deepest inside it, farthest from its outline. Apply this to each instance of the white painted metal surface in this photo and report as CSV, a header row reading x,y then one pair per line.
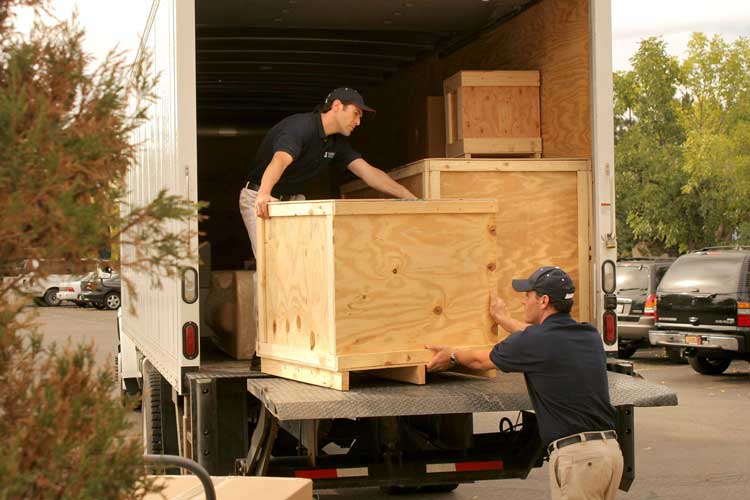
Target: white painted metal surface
x,y
603,149
167,159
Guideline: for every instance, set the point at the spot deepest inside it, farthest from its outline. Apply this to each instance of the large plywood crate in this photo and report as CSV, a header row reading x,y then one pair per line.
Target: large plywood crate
x,y
542,218
492,113
353,285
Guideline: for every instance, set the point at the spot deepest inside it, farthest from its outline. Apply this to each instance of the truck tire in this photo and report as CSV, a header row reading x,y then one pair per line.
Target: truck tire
x,y
50,297
709,366
151,410
625,351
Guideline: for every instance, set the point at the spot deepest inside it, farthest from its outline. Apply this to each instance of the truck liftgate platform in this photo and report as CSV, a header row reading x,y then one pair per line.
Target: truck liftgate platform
x,y
385,433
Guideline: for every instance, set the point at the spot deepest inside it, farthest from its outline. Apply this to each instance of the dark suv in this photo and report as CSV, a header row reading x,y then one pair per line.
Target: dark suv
x,y
637,279
703,306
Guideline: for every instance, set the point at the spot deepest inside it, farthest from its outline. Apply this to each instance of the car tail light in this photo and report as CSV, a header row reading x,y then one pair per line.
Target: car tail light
x,y
650,308
743,313
609,320
69,289
89,285
190,340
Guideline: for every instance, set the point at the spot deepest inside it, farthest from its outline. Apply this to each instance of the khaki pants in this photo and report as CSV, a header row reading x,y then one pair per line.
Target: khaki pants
x,y
590,470
247,209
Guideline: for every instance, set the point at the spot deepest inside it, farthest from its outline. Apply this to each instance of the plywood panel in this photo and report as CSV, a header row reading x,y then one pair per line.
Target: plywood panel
x,y
537,221
490,112
297,256
400,281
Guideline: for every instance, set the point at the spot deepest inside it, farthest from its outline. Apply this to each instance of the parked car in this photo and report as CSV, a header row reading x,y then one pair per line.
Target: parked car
x,y
703,306
637,280
102,293
71,290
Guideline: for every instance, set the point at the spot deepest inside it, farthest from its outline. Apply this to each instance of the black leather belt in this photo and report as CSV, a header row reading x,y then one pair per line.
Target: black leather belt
x,y
280,197
579,438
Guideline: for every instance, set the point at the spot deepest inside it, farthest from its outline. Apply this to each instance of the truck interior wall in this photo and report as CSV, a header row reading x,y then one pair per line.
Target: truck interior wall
x,y
552,36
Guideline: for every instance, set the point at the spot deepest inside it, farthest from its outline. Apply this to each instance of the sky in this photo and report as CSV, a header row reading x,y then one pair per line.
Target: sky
x,y
111,22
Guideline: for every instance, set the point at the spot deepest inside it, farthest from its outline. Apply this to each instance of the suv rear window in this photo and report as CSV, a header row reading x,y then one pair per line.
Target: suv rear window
x,y
703,274
632,278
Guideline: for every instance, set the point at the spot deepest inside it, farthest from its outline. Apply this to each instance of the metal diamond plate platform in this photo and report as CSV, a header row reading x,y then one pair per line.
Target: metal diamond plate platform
x,y
443,393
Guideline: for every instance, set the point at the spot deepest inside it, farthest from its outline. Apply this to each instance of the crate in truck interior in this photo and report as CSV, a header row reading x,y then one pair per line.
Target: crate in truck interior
x,y
542,217
355,285
495,113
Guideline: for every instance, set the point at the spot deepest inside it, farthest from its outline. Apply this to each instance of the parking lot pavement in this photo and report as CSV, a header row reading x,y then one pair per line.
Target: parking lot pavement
x,y
693,451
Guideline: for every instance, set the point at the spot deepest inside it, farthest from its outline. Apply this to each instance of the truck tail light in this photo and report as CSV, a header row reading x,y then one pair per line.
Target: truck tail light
x,y
609,320
190,340
650,308
743,313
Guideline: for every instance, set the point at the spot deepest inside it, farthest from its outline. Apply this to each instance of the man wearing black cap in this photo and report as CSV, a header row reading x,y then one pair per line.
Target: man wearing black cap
x,y
297,148
565,368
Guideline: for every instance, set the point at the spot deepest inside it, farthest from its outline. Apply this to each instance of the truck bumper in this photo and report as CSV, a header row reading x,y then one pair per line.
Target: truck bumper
x,y
698,340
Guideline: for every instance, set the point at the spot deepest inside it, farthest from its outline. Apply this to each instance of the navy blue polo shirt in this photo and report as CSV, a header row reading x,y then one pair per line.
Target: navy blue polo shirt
x,y
303,137
565,368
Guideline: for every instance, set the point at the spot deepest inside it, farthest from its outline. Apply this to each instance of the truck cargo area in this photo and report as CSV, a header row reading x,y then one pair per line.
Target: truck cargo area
x,y
257,62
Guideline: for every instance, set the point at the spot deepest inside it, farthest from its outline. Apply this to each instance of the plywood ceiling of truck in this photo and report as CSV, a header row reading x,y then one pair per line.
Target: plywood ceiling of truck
x,y
273,57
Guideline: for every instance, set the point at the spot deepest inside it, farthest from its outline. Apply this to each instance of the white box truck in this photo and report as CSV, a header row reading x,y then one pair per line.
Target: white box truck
x,y
229,69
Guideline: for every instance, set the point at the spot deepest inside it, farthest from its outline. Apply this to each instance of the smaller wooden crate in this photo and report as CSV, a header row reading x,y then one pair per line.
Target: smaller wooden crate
x,y
362,285
230,306
492,113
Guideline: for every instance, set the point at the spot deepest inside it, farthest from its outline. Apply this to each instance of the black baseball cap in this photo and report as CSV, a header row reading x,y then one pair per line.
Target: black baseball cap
x,y
547,280
348,95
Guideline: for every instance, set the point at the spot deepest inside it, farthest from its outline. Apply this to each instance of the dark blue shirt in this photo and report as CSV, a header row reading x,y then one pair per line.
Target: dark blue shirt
x,y
303,137
565,368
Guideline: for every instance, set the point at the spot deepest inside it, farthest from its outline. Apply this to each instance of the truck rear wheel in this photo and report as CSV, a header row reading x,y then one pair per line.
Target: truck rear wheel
x,y
158,411
151,410
709,366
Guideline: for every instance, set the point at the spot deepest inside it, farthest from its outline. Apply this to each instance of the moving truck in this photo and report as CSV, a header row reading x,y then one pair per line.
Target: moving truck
x,y
230,69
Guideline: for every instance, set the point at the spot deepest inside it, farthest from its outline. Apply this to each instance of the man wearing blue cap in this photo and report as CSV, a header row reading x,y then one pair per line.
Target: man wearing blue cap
x,y
299,147
565,368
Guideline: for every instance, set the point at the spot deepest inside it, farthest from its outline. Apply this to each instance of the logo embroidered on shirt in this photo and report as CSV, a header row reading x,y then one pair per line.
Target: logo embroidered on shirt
x,y
329,154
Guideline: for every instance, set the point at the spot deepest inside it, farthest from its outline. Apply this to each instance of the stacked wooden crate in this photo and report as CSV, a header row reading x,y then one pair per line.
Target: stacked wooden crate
x,y
492,113
357,285
542,217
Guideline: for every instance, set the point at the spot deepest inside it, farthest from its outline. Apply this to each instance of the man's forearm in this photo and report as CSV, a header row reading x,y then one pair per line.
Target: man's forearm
x,y
474,360
384,183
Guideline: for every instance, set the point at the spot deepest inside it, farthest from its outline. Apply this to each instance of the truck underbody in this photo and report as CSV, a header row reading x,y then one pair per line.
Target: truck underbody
x,y
236,420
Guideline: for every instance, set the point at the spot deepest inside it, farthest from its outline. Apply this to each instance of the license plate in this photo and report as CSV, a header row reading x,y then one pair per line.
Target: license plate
x,y
693,339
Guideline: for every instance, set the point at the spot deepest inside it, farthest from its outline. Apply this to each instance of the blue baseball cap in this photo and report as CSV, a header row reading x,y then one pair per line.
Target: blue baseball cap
x,y
547,280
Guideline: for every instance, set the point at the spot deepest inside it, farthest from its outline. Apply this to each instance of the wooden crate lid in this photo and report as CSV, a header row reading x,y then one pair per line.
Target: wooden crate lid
x,y
380,207
491,79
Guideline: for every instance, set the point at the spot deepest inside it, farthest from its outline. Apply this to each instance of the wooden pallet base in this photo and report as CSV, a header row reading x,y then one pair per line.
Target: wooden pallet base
x,y
416,374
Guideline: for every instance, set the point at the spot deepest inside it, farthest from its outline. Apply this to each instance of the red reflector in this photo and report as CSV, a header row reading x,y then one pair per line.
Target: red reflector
x,y
650,307
190,340
743,320
470,466
610,327
317,474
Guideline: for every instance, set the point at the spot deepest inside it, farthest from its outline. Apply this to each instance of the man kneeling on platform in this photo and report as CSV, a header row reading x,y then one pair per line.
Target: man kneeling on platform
x,y
565,368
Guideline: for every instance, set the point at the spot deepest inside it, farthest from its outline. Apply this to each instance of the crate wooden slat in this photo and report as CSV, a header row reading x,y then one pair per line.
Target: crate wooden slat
x,y
229,312
354,285
543,212
492,113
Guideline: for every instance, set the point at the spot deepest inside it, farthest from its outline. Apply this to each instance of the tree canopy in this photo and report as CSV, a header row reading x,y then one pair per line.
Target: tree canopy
x,y
681,146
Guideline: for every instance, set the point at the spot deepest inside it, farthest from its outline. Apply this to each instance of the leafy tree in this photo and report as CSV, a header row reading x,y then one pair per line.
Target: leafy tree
x,y
681,146
65,148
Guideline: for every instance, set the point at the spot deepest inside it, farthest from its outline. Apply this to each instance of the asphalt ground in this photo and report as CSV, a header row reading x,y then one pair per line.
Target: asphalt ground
x,y
697,450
